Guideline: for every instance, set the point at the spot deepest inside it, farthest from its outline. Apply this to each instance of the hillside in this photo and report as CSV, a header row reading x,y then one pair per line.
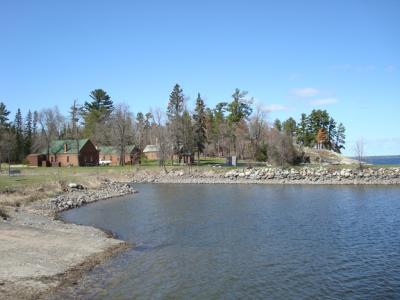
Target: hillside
x,y
326,156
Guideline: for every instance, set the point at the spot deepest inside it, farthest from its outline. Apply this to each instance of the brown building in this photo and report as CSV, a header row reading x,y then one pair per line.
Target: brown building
x,y
110,155
152,152
64,153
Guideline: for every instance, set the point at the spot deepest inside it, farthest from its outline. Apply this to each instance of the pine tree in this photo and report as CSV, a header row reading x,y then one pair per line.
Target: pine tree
x,y
19,137
289,127
96,113
28,134
101,101
174,113
278,125
332,133
200,126
35,123
239,110
187,134
340,138
4,123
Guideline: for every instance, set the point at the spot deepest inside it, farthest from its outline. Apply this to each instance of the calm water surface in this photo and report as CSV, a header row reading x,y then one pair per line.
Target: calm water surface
x,y
248,242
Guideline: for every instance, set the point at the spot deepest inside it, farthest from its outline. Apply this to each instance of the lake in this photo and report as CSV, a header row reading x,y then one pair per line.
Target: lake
x,y
248,242
383,160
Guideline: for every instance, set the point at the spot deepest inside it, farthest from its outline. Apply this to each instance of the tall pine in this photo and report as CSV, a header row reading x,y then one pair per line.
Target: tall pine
x,y
200,125
19,137
174,113
28,133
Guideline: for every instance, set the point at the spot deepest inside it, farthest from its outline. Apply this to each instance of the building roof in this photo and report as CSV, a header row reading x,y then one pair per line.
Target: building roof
x,y
115,150
151,148
57,146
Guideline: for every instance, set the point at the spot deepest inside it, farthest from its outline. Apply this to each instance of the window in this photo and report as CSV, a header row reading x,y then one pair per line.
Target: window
x,y
51,159
67,159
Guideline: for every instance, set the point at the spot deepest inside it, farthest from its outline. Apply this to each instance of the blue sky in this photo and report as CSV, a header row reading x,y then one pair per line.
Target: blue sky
x,y
292,56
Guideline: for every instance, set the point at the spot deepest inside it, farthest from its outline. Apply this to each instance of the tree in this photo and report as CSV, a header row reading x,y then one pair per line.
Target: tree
x,y
101,101
4,132
174,113
164,144
28,134
122,129
187,135
4,123
96,113
278,125
340,138
140,130
19,137
51,123
239,110
359,152
302,131
289,127
200,126
321,138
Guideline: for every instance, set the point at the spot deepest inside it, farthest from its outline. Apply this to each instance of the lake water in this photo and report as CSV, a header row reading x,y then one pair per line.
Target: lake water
x,y
248,242
383,160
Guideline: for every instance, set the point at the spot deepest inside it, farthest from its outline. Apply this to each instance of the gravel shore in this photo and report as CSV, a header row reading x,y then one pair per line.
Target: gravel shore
x,y
305,175
39,253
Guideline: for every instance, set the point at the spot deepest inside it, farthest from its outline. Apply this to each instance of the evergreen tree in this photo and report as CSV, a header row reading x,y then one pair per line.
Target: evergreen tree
x,y
239,110
278,125
302,131
174,113
19,137
28,134
200,126
101,101
289,127
96,113
187,134
4,123
35,123
340,138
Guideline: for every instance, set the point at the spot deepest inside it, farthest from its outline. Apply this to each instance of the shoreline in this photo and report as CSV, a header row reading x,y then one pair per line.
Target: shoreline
x,y
40,252
304,176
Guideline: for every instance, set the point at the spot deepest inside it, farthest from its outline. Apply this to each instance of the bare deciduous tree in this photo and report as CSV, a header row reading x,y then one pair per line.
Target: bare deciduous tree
x,y
359,152
51,123
122,129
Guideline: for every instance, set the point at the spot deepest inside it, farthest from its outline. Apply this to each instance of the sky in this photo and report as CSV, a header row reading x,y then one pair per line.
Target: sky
x,y
291,56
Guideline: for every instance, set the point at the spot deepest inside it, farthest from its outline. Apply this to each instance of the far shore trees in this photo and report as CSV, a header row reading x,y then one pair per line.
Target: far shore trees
x,y
233,127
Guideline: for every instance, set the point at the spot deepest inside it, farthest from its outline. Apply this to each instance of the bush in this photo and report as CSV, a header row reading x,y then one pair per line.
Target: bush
x,y
262,153
3,214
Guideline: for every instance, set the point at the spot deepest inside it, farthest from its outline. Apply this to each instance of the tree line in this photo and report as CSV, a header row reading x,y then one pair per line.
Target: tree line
x,y
233,127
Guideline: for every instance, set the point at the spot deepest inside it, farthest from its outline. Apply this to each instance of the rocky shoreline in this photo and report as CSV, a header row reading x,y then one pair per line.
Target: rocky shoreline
x,y
77,196
268,175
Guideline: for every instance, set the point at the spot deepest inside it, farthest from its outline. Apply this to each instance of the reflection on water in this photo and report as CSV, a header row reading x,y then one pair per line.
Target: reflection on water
x,y
248,241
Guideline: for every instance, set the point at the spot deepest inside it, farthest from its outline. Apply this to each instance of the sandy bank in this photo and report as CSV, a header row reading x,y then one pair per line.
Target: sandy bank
x,y
39,253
